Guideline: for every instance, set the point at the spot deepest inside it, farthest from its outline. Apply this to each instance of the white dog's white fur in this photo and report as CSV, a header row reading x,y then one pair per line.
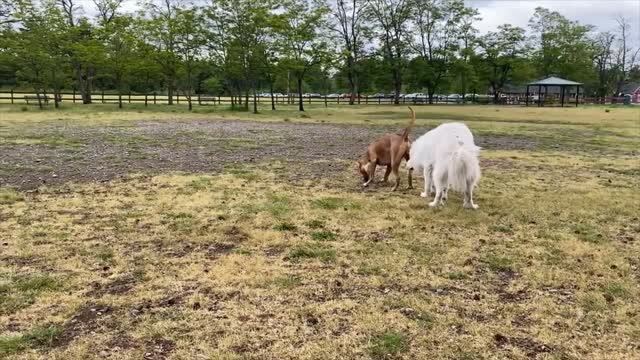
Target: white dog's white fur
x,y
449,158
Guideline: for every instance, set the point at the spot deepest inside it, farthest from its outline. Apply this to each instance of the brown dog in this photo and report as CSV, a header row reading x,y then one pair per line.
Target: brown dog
x,y
388,150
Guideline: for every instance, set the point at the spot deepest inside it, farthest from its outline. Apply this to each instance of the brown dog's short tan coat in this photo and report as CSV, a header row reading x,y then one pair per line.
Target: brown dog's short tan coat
x,y
388,150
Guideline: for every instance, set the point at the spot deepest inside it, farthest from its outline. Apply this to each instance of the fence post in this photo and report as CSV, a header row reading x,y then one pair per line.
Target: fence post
x,y
325,100
366,100
339,99
154,98
178,98
199,101
11,96
145,100
74,95
129,97
103,96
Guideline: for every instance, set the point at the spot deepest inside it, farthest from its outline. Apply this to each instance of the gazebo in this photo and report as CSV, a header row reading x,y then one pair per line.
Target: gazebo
x,y
555,82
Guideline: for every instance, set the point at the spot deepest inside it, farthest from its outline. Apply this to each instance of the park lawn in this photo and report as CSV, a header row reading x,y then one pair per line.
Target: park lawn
x,y
598,124
243,264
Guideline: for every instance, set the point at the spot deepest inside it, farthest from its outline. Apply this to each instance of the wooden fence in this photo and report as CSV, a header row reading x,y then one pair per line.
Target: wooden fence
x,y
25,97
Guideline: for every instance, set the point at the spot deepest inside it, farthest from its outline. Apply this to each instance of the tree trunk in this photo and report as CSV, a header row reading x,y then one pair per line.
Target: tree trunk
x,y
288,88
39,99
190,86
273,103
119,100
255,100
496,96
352,82
397,82
56,89
56,97
82,86
300,102
170,92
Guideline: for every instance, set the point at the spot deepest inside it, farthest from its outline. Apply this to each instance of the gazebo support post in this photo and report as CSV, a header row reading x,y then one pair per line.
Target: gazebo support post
x,y
539,95
562,96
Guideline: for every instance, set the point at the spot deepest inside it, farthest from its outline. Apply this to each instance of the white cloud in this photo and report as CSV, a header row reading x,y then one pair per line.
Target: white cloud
x,y
600,13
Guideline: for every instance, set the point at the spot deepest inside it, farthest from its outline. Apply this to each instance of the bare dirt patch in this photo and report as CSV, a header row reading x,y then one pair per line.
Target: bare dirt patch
x,y
158,349
118,286
85,321
104,153
531,347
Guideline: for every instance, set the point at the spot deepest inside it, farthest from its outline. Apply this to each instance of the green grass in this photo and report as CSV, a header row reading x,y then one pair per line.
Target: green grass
x,y
333,203
10,196
278,205
37,337
315,224
323,235
312,251
388,344
498,263
616,290
19,292
285,226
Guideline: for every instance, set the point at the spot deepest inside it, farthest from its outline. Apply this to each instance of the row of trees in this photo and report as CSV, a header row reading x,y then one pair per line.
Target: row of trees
x,y
240,47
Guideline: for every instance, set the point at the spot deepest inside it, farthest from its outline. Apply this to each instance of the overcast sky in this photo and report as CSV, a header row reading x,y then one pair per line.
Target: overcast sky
x,y
601,13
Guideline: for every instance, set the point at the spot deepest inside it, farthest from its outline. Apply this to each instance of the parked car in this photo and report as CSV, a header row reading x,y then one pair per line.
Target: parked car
x,y
376,96
333,96
454,98
416,97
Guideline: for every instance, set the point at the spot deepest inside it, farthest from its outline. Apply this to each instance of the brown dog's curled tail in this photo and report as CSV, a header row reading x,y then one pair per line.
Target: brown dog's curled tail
x,y
407,130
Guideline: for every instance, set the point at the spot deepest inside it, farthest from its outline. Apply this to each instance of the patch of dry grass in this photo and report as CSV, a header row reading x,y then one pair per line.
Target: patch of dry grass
x,y
244,265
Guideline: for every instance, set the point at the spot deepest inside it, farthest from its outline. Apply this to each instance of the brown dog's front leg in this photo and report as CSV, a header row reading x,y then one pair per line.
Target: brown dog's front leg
x,y
372,173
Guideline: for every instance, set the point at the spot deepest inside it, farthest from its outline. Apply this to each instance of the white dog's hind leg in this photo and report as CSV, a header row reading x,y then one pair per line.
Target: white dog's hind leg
x,y
468,196
440,180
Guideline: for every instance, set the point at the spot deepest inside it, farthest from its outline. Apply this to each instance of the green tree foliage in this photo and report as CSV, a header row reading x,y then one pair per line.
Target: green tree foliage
x,y
562,47
349,23
301,39
503,54
391,19
437,28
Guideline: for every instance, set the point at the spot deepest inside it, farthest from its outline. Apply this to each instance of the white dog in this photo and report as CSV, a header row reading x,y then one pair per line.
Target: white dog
x,y
449,158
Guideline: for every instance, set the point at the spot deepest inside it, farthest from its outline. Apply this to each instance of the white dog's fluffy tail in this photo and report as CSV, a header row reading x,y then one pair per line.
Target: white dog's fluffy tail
x,y
464,168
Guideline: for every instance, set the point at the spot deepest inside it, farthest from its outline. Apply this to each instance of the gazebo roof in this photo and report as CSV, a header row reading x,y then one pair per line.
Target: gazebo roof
x,y
555,81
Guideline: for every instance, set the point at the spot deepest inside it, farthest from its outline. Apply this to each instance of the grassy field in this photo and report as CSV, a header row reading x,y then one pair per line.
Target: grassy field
x,y
287,257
